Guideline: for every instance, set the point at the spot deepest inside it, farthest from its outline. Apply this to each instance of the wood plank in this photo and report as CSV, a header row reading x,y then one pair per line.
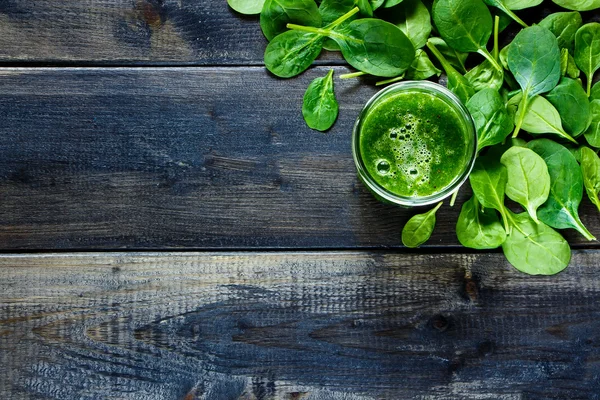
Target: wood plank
x,y
346,325
130,32
143,32
187,158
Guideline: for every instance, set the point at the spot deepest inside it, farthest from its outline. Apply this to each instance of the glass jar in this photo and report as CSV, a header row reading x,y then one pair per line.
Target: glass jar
x,y
448,105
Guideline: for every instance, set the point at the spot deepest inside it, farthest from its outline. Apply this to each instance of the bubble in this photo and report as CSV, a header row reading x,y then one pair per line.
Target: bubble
x,y
383,167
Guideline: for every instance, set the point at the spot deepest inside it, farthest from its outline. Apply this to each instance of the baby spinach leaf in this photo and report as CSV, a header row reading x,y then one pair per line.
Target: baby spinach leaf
x,y
540,118
457,83
492,122
521,4
595,94
563,25
502,5
592,134
528,179
578,5
331,10
484,76
320,108
535,248
479,229
375,4
455,58
419,228
276,14
572,70
292,52
587,51
466,25
590,169
560,211
391,3
488,181
534,59
248,7
413,18
422,67
572,104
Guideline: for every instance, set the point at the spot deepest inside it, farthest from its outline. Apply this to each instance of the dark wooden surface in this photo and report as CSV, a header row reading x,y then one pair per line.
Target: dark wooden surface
x,y
187,158
340,325
151,125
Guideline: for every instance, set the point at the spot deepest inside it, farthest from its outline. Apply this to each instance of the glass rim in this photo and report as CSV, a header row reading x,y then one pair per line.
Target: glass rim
x,y
389,196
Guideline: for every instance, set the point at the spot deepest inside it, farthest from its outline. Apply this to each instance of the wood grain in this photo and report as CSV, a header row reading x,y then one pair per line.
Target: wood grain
x,y
346,325
144,32
154,158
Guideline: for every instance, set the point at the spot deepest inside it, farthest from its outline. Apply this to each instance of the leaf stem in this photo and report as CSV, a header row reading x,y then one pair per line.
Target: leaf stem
x,y
309,29
583,230
352,75
445,64
453,199
491,59
589,85
392,80
514,16
436,207
343,18
496,34
522,110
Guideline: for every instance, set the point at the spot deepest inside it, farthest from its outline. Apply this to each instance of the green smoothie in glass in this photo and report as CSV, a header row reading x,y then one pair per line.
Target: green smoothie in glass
x,y
414,143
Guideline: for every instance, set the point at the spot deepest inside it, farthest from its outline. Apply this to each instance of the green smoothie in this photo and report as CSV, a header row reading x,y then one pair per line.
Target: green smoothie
x,y
414,144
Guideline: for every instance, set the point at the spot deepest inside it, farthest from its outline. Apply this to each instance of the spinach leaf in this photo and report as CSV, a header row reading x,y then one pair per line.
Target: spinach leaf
x,y
534,59
485,75
592,135
563,25
492,122
331,10
528,179
541,117
502,5
375,4
455,58
479,229
413,18
248,7
572,104
320,108
276,14
535,248
457,83
488,181
292,52
587,51
595,94
422,67
560,211
578,5
521,4
370,45
391,3
572,70
590,169
419,228
466,25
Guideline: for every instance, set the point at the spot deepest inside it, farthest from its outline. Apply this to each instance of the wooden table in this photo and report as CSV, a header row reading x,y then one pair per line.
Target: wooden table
x,y
171,229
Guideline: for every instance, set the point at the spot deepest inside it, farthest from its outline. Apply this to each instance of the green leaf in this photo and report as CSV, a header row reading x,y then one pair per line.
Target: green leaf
x,y
485,76
541,117
488,181
457,83
506,7
492,122
276,14
419,228
479,229
413,18
578,5
454,58
375,47
572,104
595,94
535,249
320,108
590,169
560,211
422,67
534,59
528,179
572,70
587,51
521,4
248,7
592,134
292,52
563,25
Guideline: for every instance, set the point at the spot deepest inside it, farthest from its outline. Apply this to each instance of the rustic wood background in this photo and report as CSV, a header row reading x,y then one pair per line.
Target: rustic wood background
x,y
236,254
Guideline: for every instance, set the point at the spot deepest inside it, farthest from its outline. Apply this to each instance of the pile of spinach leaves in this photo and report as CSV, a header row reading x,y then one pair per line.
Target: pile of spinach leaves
x,y
540,83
